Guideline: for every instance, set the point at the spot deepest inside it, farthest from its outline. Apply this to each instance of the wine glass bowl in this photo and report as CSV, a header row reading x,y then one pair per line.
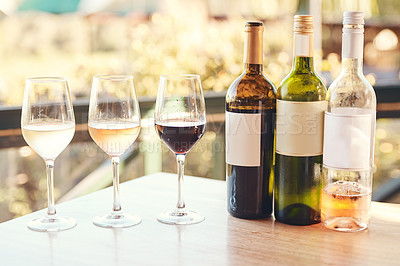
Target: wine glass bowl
x,y
180,136
180,119
114,125
48,125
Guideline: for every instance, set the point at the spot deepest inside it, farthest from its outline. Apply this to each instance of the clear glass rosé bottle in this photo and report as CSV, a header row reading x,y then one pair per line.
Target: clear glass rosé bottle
x,y
349,135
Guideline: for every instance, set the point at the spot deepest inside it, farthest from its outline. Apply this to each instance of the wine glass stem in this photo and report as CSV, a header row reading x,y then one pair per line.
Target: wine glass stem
x,y
51,209
116,202
180,159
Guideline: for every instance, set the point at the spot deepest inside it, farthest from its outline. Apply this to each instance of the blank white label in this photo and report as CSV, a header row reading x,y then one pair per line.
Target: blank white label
x,y
304,45
353,44
347,140
243,139
299,127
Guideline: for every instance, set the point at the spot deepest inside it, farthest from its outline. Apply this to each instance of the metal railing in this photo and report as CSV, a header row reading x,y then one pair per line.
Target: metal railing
x,y
10,117
388,98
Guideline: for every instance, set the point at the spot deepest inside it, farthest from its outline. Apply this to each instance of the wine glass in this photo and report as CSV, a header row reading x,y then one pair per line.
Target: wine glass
x,y
180,119
48,125
114,125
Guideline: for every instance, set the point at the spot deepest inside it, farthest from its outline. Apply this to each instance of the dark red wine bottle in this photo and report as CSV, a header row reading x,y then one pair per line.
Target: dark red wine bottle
x,y
250,133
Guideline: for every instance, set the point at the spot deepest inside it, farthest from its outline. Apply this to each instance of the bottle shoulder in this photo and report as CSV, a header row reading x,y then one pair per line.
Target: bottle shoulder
x,y
351,90
250,89
302,87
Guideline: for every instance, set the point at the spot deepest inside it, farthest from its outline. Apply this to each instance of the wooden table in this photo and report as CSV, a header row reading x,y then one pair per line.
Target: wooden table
x,y
219,240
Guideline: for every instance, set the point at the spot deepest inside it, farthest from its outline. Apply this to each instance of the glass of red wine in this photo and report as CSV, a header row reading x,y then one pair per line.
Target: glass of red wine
x,y
180,120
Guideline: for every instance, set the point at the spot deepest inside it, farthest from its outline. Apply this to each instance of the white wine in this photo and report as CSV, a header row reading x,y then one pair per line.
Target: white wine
x,y
299,134
48,139
114,138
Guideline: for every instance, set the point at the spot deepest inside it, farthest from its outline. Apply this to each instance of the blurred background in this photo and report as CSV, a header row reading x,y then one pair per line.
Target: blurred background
x,y
78,39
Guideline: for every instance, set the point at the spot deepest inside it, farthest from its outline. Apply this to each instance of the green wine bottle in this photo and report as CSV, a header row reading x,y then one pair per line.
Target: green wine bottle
x,y
299,137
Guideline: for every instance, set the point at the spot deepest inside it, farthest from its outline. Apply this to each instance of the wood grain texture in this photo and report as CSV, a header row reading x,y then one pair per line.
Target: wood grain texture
x,y
219,240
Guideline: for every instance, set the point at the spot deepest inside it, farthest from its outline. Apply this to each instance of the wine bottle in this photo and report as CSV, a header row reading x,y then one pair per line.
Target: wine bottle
x,y
250,133
349,137
299,134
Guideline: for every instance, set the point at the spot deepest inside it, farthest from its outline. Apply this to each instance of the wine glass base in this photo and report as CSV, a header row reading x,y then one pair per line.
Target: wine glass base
x,y
183,217
51,224
117,220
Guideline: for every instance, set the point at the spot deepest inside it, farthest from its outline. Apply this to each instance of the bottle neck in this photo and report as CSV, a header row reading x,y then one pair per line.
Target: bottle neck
x,y
253,50
253,68
303,64
303,51
352,48
352,65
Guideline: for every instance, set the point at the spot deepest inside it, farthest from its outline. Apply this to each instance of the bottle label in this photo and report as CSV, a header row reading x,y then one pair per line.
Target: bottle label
x,y
299,127
347,144
352,45
243,139
304,45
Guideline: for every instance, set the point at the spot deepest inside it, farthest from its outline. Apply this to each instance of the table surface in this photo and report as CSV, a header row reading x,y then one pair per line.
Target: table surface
x,y
219,240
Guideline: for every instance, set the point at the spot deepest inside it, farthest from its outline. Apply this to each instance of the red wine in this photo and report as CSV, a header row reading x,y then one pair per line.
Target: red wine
x,y
250,188
250,134
180,136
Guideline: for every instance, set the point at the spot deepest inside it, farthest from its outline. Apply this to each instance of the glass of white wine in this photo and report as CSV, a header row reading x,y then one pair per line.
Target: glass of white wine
x,y
48,125
114,125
